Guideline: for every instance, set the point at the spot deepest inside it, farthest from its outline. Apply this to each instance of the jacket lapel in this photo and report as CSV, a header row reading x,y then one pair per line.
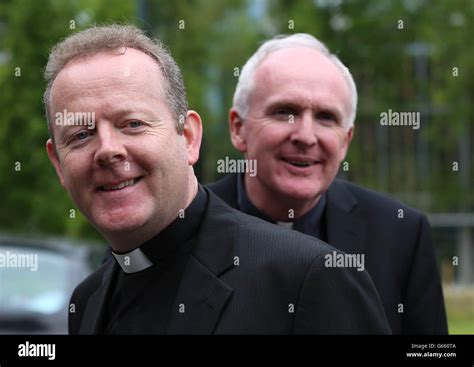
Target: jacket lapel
x,y
202,295
346,231
199,302
95,309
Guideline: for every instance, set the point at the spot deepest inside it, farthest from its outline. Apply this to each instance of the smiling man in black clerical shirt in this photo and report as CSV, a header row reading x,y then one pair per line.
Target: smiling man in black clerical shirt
x,y
293,113
183,261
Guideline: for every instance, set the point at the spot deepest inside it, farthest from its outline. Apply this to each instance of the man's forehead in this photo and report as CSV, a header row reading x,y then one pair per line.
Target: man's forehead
x,y
299,71
133,69
119,64
301,60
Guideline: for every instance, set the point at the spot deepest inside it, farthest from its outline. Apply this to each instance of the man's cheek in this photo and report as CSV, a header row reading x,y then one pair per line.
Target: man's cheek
x,y
71,179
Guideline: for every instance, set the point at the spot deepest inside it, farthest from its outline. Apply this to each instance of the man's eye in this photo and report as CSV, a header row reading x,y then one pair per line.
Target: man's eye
x,y
325,116
135,124
284,111
81,135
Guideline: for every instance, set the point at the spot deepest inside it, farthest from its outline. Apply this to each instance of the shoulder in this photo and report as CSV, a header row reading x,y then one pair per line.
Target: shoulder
x,y
257,240
226,189
330,298
373,202
264,231
224,182
267,243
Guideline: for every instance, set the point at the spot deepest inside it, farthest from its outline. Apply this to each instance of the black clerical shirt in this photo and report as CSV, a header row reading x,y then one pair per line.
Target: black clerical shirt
x,y
312,223
141,302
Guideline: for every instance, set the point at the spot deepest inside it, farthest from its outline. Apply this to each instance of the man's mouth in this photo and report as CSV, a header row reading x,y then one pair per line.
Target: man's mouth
x,y
120,185
300,162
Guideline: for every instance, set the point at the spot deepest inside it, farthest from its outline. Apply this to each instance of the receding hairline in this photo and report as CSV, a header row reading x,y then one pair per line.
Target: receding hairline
x,y
259,67
300,47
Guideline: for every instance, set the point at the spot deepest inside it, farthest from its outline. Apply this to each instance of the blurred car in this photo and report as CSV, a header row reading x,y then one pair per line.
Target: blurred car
x,y
37,277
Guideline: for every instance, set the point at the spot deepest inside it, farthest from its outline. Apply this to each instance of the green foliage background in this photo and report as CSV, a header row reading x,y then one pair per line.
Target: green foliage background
x,y
218,36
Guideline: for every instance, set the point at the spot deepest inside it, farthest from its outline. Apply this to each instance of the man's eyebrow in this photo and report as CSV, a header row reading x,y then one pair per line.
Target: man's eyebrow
x,y
123,111
299,106
138,111
283,103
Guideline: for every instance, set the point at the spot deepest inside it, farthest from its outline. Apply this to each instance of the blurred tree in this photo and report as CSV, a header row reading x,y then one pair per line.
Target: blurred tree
x,y
32,199
208,40
404,55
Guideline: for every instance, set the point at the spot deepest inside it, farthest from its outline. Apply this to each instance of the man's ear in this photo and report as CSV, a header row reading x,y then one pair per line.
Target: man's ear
x,y
53,157
237,130
192,132
347,141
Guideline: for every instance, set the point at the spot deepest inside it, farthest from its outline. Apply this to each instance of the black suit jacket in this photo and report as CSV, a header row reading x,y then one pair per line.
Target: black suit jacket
x,y
398,251
247,276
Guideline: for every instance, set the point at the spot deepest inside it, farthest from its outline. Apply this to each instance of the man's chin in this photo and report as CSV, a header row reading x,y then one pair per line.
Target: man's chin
x,y
118,225
300,193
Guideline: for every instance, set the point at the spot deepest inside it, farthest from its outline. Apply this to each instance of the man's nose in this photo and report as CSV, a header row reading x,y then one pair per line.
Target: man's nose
x,y
110,148
304,130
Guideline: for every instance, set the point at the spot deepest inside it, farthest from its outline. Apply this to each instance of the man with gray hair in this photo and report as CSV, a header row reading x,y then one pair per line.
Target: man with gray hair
x,y
183,261
293,113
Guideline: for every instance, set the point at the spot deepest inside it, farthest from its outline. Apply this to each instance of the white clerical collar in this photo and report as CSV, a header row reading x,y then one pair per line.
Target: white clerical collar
x,y
133,261
288,225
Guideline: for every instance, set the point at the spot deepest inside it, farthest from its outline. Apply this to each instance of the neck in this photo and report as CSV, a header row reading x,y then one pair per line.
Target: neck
x,y
126,241
276,205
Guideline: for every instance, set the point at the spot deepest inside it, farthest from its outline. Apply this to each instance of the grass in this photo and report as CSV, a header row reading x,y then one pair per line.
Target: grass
x,y
460,309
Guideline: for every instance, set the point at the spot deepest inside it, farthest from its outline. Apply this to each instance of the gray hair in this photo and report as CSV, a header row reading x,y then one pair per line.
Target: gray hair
x,y
246,81
109,38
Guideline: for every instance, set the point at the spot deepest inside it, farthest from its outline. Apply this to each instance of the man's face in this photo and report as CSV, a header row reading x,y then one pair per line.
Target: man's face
x,y
295,127
131,172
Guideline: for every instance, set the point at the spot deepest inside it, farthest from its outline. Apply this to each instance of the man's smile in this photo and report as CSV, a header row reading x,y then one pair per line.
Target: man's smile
x,y
300,164
120,184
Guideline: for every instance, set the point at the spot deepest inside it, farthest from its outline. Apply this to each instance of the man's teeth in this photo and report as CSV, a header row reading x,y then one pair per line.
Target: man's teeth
x,y
121,185
300,164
